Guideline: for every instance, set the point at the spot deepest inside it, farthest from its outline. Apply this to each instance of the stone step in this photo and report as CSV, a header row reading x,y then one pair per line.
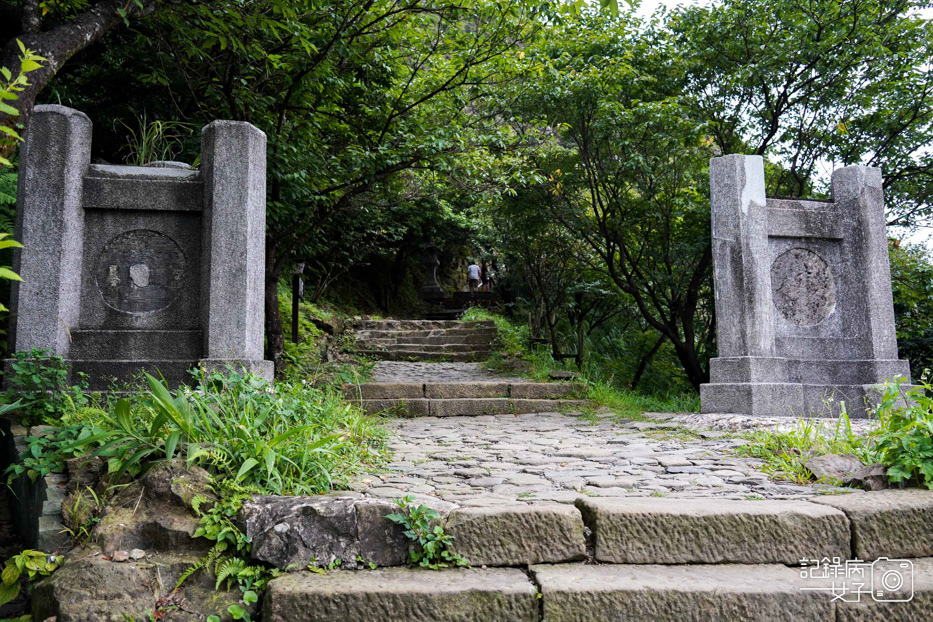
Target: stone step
x,y
421,355
431,332
713,531
421,324
630,593
463,390
427,347
132,345
444,339
102,372
423,407
402,595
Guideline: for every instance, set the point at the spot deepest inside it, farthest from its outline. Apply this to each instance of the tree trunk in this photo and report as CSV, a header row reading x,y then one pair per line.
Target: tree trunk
x,y
58,45
687,355
275,338
643,363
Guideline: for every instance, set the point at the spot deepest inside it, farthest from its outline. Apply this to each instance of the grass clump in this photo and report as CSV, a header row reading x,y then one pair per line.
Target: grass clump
x,y
786,452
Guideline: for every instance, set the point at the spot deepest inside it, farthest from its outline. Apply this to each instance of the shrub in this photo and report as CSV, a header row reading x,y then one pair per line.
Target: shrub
x,y
38,379
904,438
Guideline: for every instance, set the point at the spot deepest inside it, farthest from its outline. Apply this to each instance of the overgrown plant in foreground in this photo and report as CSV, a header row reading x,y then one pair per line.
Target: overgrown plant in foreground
x,y
421,526
38,380
904,438
31,565
281,439
287,438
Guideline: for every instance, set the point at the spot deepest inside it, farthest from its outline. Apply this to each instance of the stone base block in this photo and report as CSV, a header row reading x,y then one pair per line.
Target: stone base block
x,y
635,593
403,595
791,399
713,531
754,399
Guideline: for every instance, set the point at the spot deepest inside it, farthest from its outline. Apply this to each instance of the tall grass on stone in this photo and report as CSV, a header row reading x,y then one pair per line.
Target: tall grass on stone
x,y
786,452
280,439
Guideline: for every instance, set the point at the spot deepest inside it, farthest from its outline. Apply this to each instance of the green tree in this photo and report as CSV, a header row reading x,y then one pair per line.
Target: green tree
x,y
912,281
55,30
353,96
817,85
633,186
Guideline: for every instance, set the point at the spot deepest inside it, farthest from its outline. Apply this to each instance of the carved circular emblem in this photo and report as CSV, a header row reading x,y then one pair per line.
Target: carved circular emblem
x,y
140,271
802,287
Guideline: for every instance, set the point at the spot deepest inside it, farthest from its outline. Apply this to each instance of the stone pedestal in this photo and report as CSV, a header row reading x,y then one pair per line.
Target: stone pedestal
x,y
131,268
805,318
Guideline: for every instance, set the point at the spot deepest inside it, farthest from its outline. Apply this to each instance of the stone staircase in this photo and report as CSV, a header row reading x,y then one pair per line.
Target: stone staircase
x,y
613,560
425,340
447,399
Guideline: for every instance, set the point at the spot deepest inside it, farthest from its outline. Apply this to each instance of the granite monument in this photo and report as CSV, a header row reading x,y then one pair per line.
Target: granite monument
x,y
129,268
804,314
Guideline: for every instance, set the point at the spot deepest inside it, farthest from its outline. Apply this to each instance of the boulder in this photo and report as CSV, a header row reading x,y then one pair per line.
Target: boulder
x,y
84,472
834,467
292,532
91,588
155,513
871,478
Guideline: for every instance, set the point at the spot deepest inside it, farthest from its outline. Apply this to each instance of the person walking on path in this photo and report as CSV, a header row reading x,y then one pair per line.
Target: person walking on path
x,y
473,276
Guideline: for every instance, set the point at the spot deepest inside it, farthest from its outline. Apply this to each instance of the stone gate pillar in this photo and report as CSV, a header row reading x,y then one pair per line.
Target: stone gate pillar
x,y
805,318
55,159
234,250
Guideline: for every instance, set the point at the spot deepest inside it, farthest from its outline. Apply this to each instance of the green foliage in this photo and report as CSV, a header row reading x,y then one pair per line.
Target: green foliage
x,y
217,522
904,438
421,526
785,452
12,83
631,404
512,339
823,81
282,439
38,379
912,283
8,190
30,566
81,514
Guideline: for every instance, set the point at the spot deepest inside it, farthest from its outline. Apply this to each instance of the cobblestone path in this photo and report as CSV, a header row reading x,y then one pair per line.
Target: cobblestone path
x,y
549,456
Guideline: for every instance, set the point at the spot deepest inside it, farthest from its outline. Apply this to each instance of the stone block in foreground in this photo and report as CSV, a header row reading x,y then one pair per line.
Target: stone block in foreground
x,y
919,607
888,523
713,531
635,593
517,535
403,595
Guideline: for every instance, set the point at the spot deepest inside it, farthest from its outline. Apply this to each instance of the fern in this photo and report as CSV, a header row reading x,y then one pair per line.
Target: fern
x,y
208,560
229,570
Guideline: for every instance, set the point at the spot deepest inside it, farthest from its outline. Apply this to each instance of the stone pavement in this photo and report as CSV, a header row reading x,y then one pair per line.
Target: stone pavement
x,y
485,460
